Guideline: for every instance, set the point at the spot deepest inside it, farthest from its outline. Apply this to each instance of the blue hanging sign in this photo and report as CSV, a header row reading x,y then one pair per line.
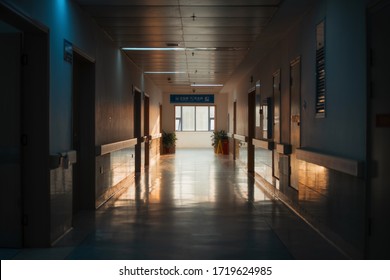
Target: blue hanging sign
x,y
192,98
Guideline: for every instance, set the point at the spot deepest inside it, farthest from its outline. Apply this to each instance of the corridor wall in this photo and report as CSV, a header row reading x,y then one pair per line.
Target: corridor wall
x,y
329,198
115,77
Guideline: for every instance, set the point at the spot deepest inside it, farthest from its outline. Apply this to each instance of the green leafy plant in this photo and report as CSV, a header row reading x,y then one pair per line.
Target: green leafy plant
x,y
218,135
169,139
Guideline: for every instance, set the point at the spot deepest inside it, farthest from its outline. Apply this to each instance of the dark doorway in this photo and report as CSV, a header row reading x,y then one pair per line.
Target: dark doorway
x,y
83,133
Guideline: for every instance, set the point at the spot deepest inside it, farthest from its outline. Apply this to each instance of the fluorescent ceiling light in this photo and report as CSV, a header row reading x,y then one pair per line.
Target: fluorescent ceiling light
x,y
164,72
201,49
169,49
153,49
207,85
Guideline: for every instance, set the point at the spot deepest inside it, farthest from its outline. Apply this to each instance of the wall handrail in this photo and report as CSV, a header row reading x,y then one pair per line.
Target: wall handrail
x,y
155,136
240,137
264,144
283,149
344,165
116,146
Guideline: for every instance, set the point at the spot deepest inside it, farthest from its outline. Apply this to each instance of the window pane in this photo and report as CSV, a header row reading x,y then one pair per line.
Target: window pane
x,y
188,118
178,125
178,111
212,112
212,127
202,118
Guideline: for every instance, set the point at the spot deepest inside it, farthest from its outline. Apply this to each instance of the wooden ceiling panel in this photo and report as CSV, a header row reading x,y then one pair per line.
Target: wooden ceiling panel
x,y
182,2
217,44
246,22
143,44
146,30
215,54
134,11
196,12
114,22
165,38
128,2
216,34
233,30
229,2
220,37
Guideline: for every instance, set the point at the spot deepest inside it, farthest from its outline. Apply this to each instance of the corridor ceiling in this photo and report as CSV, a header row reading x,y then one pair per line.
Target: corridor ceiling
x,y
211,38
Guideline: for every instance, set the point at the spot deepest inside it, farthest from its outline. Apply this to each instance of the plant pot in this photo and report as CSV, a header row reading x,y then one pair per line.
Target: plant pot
x,y
169,150
225,147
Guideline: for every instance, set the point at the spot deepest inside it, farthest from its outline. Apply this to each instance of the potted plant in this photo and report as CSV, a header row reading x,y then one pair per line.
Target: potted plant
x,y
169,142
220,138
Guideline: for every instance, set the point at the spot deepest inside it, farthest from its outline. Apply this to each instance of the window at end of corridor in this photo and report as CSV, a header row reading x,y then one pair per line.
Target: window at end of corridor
x,y
194,118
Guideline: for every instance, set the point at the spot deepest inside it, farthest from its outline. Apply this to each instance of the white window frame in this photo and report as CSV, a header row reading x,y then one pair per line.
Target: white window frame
x,y
179,120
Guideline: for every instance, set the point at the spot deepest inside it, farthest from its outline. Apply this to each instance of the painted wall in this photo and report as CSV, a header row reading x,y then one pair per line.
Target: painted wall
x,y
341,133
188,139
115,73
115,77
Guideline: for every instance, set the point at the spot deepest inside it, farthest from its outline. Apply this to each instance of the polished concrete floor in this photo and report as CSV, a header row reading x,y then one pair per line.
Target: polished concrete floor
x,y
193,205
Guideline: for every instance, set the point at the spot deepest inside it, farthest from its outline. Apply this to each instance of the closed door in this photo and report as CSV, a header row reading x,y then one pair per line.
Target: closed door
x,y
10,145
295,119
83,133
